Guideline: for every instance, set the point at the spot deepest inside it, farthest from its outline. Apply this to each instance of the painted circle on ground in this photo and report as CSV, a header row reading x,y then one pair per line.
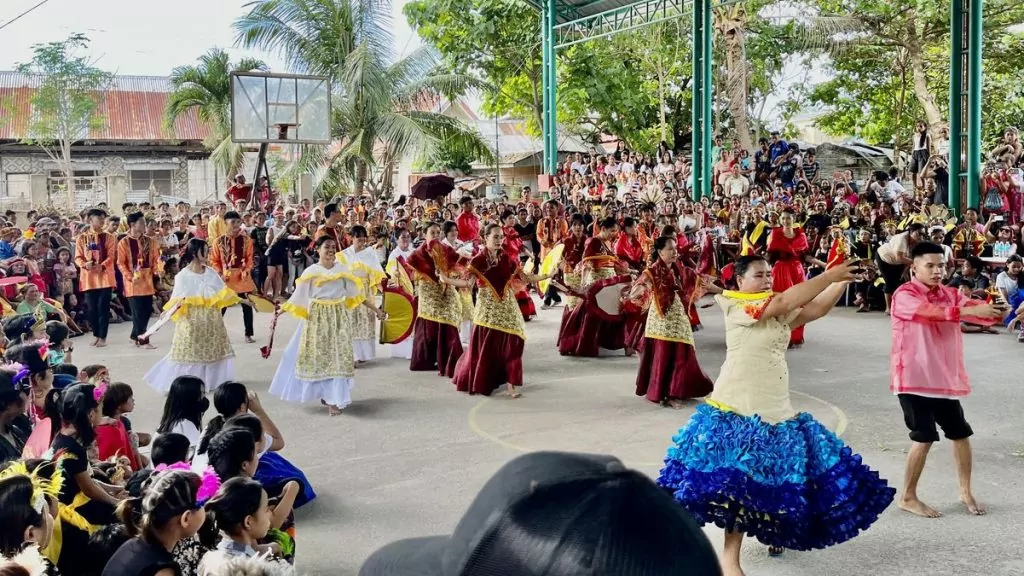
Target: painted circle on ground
x,y
572,415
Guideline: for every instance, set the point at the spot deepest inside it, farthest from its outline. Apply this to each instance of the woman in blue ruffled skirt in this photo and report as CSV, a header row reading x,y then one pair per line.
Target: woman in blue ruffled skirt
x,y
746,461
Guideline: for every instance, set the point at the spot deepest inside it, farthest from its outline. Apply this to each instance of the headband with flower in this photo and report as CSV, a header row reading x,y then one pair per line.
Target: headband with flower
x,y
207,488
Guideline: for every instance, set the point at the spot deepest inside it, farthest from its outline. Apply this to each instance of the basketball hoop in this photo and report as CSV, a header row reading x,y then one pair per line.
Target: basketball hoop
x,y
283,127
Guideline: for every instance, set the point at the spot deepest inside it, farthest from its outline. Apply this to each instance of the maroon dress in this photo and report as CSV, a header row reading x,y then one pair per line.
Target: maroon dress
x,y
586,330
668,363
495,354
572,254
435,344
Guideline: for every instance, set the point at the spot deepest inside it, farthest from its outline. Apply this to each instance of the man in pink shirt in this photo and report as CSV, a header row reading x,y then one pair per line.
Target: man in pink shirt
x,y
927,370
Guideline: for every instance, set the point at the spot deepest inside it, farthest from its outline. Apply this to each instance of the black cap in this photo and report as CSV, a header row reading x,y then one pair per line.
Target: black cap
x,y
554,514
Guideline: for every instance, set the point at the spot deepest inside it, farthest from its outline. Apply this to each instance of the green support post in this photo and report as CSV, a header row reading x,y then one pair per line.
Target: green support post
x,y
708,61
700,137
956,95
545,45
974,105
552,90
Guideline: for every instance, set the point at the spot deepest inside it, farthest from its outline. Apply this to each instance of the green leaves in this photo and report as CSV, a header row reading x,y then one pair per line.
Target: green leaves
x,y
384,109
206,88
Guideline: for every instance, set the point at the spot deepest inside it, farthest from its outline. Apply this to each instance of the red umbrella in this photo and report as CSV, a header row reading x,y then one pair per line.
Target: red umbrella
x,y
433,187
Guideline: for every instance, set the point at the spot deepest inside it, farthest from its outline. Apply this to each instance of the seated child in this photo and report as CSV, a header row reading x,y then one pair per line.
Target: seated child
x,y
169,448
966,288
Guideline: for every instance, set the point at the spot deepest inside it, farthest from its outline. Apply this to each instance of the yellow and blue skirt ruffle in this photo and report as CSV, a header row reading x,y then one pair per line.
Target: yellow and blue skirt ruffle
x,y
793,484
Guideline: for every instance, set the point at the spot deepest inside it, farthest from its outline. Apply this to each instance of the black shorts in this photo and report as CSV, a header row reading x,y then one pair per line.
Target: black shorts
x,y
922,414
891,273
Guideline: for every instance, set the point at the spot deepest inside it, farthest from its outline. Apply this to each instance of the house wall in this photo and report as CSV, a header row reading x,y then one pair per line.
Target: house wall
x,y
22,175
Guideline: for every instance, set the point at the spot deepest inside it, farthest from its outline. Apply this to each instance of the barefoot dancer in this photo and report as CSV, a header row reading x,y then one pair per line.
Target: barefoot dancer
x,y
138,258
669,372
362,259
200,346
495,353
746,460
436,344
319,363
928,373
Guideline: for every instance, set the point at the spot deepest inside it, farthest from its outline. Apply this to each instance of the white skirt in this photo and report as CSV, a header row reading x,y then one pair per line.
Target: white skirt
x,y
465,328
402,350
364,350
290,388
213,374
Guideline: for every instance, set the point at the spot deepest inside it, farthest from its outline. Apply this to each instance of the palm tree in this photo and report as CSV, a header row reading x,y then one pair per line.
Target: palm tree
x,y
206,88
382,108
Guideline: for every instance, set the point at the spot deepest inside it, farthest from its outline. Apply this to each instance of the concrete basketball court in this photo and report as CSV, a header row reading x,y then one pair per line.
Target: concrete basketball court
x,y
408,456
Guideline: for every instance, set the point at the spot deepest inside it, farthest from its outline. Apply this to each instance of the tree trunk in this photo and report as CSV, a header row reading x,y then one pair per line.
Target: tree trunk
x,y
932,114
737,89
360,183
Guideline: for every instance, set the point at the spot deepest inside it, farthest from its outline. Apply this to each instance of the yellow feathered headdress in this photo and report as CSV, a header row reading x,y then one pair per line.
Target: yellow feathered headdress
x,y
41,487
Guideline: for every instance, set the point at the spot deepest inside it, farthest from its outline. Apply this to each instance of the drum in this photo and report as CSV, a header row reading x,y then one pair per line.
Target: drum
x,y
604,297
399,315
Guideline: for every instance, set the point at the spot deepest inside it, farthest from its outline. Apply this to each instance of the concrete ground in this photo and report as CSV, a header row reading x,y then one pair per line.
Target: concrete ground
x,y
410,453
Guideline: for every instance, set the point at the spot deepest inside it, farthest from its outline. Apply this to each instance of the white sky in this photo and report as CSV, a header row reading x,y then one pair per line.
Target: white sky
x,y
142,37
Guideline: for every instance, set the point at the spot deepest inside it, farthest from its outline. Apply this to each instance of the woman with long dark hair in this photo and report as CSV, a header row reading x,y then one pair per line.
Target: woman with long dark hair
x,y
320,360
86,502
787,249
184,407
669,372
436,344
749,463
200,347
495,354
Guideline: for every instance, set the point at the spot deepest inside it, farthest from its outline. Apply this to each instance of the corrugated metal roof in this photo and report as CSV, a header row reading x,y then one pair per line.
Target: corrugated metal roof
x,y
132,110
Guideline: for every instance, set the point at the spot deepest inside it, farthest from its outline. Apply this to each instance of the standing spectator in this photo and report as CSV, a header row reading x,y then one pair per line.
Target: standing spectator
x,y
920,153
95,251
893,258
811,167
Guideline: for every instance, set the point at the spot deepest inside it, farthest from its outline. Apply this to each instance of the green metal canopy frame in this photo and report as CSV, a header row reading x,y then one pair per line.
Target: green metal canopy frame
x,y
568,22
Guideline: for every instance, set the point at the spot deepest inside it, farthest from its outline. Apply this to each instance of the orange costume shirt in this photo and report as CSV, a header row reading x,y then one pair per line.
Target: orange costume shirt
x,y
551,231
138,260
99,249
232,258
340,238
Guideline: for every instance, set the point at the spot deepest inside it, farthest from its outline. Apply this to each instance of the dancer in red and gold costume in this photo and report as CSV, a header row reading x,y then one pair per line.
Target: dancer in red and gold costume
x,y
514,246
585,332
787,248
669,372
436,344
629,247
495,354
572,255
231,255
138,258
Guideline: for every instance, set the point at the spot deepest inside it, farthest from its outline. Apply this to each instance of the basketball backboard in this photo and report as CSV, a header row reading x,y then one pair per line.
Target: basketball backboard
x,y
275,108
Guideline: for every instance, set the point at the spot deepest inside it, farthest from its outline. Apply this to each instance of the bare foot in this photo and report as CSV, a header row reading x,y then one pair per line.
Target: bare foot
x,y
915,506
249,339
333,410
101,343
512,392
676,403
146,346
972,505
732,571
94,342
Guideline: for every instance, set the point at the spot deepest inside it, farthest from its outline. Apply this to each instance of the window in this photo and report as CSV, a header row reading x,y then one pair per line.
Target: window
x,y
154,182
17,187
90,188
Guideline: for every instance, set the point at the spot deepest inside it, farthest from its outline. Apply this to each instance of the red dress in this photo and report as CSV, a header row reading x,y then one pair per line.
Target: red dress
x,y
435,344
513,246
112,440
495,354
585,331
668,363
787,258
